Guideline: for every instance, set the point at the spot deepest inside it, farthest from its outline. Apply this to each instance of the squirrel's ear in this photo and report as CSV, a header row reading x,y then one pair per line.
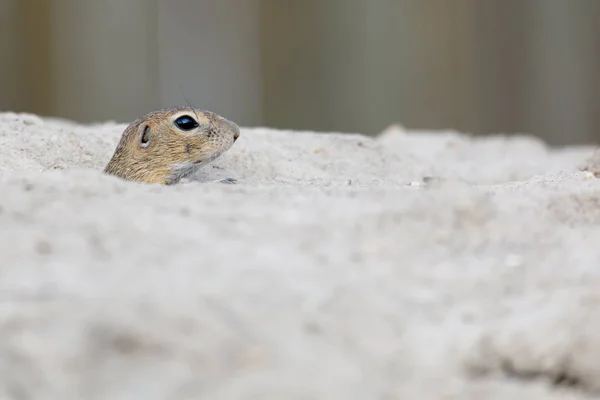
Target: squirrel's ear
x,y
144,136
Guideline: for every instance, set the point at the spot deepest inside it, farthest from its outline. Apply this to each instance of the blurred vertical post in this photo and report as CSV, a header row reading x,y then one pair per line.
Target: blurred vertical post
x,y
36,56
209,54
314,62
495,66
24,44
9,67
563,83
417,74
103,59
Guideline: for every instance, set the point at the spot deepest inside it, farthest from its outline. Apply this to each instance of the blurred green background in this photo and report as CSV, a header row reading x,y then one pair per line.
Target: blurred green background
x,y
478,66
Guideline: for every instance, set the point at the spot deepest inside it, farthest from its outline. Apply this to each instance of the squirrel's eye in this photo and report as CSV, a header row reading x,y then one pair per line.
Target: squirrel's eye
x,y
186,123
145,137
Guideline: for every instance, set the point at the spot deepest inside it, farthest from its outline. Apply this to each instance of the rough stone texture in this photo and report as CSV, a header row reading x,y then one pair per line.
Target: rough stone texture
x,y
323,274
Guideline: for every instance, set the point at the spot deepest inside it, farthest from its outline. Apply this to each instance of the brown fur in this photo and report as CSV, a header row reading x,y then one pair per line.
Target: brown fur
x,y
171,153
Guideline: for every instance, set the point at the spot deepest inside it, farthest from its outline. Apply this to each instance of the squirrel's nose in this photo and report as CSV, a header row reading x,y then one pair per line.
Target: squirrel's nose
x,y
228,125
236,130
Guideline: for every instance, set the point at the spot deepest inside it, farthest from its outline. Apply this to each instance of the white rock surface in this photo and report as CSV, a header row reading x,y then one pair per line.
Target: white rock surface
x,y
323,274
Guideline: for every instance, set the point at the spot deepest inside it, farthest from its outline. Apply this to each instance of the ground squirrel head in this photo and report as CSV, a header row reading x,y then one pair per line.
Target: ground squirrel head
x,y
167,145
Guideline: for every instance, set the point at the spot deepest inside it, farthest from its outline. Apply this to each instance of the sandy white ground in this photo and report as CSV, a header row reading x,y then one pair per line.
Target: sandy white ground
x,y
321,275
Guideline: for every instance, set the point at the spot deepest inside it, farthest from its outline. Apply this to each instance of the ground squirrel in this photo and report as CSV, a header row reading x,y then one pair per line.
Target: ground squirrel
x,y
167,145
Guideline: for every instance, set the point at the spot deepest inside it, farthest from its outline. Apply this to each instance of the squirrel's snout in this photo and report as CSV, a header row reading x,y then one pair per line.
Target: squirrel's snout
x,y
234,128
225,125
